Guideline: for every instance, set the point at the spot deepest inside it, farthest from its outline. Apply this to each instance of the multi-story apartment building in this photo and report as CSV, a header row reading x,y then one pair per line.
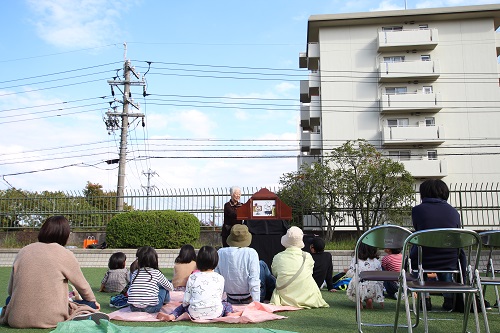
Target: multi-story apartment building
x,y
422,85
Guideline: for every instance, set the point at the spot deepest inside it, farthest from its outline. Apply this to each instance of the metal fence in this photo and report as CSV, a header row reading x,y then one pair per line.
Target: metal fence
x,y
478,204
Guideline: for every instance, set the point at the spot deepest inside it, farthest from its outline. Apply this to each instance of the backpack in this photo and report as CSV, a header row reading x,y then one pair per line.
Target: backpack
x,y
342,283
119,301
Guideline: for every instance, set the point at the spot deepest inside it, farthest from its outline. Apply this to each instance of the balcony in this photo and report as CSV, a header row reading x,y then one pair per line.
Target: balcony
x,y
310,142
310,59
302,60
410,102
497,43
418,39
413,135
408,70
310,114
307,159
425,168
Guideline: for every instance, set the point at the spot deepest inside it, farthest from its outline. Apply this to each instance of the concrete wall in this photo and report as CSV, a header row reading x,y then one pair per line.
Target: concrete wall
x,y
99,258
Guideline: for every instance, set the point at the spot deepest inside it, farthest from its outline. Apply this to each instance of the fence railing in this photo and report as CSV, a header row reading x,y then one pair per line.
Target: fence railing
x,y
478,204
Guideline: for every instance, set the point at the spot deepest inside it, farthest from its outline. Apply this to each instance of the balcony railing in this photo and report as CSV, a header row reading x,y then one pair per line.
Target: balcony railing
x,y
408,70
310,59
410,102
418,39
411,135
310,142
426,168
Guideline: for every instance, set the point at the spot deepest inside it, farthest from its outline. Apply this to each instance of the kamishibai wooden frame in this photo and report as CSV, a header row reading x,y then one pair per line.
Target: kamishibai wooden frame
x,y
264,205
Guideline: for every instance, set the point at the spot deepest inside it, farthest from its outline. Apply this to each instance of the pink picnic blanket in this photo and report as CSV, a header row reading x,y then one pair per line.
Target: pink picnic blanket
x,y
254,312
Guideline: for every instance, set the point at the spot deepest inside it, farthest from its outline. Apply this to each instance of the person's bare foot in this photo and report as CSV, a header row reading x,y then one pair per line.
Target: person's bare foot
x,y
361,305
369,303
382,305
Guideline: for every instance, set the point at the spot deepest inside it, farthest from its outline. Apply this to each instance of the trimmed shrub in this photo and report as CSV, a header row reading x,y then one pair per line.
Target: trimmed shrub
x,y
166,229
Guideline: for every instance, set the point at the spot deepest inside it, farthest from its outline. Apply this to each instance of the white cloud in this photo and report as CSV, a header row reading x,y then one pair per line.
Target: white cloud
x,y
77,24
388,5
285,87
446,3
195,123
241,115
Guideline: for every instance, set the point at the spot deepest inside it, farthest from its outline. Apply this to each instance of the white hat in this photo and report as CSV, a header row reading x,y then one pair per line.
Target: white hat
x,y
293,237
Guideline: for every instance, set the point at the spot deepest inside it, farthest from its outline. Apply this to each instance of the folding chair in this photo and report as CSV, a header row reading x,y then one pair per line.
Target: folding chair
x,y
469,285
491,239
383,236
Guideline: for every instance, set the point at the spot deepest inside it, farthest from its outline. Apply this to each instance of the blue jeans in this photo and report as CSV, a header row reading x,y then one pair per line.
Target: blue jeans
x,y
163,298
89,303
267,282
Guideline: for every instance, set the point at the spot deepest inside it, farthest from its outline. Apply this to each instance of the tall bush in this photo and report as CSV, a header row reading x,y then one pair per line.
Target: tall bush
x,y
159,229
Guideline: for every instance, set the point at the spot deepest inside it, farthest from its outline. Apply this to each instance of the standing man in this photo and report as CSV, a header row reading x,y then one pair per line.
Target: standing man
x,y
230,213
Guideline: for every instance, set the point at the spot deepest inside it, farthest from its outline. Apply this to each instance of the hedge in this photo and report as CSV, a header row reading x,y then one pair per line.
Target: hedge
x,y
160,229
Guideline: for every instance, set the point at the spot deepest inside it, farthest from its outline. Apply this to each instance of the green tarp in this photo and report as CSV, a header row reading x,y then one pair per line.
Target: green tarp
x,y
89,326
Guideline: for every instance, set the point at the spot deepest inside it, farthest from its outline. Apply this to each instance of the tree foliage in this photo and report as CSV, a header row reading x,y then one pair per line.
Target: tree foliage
x,y
354,182
26,209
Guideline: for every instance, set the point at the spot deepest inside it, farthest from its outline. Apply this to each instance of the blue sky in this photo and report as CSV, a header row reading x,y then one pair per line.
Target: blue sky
x,y
223,89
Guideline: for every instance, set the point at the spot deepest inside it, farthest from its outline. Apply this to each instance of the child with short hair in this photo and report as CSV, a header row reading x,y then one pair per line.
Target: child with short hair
x,y
117,276
369,291
149,288
323,266
184,265
204,289
392,262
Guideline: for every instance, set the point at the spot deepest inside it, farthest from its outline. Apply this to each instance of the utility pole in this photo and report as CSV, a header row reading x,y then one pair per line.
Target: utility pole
x,y
148,188
111,122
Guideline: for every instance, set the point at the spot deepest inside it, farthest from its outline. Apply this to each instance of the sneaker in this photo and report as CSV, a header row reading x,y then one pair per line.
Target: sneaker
x,y
95,316
119,301
487,305
496,305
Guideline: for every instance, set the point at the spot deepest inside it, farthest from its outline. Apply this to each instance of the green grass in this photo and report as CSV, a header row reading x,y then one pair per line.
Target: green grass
x,y
340,317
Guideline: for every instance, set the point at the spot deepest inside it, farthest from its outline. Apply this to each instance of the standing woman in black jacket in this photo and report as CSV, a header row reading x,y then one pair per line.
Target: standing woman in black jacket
x,y
230,213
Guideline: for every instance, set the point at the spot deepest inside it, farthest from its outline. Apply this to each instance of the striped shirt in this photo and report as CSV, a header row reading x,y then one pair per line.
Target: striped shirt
x,y
144,287
392,262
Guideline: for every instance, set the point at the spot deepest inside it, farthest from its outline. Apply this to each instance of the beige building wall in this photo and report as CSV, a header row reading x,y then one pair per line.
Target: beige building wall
x,y
465,57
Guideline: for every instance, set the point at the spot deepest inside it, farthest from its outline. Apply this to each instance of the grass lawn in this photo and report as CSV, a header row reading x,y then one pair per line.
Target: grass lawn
x,y
340,317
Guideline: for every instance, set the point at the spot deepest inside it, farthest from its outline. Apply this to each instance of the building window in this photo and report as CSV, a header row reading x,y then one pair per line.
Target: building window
x,y
430,121
394,59
398,122
425,57
427,89
423,26
393,28
432,155
400,155
395,90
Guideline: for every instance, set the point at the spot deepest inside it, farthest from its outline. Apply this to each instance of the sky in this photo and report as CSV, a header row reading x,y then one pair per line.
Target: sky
x,y
221,81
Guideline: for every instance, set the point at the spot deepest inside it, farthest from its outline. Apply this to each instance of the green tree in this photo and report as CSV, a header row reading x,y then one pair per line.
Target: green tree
x,y
374,189
354,182
312,191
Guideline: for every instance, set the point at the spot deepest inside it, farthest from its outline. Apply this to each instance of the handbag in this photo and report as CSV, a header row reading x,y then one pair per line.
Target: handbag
x,y
296,274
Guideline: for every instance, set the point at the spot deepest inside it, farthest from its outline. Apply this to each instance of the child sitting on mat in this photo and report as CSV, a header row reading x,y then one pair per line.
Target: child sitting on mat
x,y
204,289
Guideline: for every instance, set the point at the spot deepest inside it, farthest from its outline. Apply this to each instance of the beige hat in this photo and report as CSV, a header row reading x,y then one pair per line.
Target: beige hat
x,y
239,236
293,237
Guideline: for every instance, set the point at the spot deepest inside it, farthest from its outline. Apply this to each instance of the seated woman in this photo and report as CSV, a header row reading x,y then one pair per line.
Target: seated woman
x,y
38,286
293,269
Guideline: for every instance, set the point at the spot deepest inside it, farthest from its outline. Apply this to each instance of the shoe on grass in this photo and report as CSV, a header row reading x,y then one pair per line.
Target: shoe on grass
x,y
448,304
95,316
